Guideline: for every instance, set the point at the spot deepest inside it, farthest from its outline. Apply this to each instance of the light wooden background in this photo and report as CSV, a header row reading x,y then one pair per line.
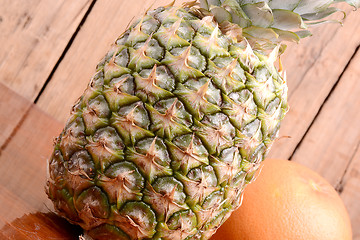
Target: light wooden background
x,y
49,50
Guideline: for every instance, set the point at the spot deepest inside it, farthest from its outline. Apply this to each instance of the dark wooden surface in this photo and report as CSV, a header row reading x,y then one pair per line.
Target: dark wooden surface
x,y
49,50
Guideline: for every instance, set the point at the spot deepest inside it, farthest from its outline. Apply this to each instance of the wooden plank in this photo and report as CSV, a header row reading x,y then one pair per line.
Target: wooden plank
x,y
13,107
23,172
350,194
331,141
33,36
10,207
313,68
107,20
24,165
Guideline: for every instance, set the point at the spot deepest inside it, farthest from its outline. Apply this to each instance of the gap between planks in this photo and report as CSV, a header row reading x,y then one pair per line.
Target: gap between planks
x,y
66,49
323,104
340,185
332,140
15,102
33,36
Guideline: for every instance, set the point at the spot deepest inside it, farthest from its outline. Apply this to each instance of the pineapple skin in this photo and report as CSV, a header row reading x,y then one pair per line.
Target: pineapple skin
x,y
169,131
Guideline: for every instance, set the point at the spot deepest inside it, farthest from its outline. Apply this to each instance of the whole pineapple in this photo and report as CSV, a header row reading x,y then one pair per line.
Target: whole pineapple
x,y
177,118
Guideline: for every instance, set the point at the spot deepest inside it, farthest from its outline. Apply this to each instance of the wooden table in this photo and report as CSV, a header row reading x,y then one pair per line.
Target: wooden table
x,y
49,50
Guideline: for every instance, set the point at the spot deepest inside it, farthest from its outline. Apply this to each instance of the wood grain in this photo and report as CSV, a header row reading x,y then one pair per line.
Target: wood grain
x,y
106,22
24,164
331,141
313,69
24,207
33,36
331,146
13,108
351,192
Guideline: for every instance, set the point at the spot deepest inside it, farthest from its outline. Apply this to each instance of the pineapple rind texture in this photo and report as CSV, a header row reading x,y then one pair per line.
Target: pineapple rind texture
x,y
169,131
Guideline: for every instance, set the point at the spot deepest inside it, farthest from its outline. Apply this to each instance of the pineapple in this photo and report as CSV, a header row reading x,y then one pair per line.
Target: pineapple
x,y
177,118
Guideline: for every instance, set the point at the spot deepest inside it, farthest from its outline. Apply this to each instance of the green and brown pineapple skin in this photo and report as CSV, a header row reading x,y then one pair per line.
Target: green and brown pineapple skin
x,y
168,133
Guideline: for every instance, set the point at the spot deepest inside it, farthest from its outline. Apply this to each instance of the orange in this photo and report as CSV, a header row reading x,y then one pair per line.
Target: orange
x,y
288,201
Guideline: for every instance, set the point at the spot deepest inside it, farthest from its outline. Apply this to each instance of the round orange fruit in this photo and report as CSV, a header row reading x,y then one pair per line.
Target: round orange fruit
x,y
288,201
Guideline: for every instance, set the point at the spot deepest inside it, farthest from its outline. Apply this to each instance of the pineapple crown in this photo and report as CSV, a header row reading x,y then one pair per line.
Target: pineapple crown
x,y
267,23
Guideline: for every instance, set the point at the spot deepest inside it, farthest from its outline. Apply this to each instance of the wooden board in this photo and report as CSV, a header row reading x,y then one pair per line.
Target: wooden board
x,y
33,36
24,165
313,68
13,109
333,138
332,142
350,191
24,207
107,21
